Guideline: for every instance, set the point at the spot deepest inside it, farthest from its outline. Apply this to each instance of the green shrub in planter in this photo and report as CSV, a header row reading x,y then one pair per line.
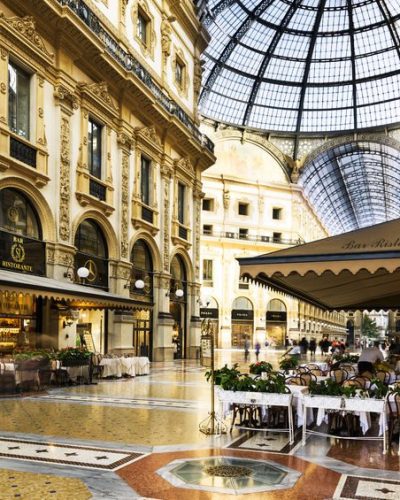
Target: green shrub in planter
x,y
259,367
73,356
288,363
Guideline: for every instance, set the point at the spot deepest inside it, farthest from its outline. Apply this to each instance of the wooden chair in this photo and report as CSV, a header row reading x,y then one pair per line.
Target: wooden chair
x,y
317,372
383,376
307,378
339,375
393,405
295,380
362,382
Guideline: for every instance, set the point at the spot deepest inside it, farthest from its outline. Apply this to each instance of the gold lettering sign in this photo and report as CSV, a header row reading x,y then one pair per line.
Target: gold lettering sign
x,y
91,266
16,265
17,251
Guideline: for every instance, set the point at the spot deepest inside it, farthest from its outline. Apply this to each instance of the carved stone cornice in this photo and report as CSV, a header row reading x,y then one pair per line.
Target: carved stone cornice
x,y
185,166
125,141
24,28
65,96
97,94
149,136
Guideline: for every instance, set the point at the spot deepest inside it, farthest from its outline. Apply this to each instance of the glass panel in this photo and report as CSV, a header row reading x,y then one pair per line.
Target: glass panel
x,y
89,239
142,27
18,100
145,180
94,148
181,203
17,215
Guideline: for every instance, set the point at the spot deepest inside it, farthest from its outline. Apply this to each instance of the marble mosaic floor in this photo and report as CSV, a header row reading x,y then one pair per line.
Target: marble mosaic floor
x,y
125,439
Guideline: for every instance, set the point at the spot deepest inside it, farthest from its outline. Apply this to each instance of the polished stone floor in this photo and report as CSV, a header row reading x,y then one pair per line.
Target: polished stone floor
x,y
139,438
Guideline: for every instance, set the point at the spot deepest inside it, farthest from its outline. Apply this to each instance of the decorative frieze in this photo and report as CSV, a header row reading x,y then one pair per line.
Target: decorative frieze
x,y
124,205
65,188
63,95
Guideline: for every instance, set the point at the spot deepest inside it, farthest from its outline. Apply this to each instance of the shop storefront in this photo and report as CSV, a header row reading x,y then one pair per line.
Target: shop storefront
x,y
276,322
178,306
242,322
210,315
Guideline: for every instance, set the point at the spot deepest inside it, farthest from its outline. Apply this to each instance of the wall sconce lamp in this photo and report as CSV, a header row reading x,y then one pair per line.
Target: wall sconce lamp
x,y
139,284
82,272
179,293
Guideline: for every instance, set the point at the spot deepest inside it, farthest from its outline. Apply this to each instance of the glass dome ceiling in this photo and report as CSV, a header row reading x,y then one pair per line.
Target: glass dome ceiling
x,y
354,185
302,66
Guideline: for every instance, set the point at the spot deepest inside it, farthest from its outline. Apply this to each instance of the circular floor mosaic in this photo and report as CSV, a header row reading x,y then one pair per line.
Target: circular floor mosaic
x,y
229,475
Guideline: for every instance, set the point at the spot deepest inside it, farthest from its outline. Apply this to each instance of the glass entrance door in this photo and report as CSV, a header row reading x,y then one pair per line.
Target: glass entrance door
x,y
141,337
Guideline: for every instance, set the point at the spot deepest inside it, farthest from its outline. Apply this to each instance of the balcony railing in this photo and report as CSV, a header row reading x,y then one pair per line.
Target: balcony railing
x,y
97,190
132,65
252,237
22,152
147,214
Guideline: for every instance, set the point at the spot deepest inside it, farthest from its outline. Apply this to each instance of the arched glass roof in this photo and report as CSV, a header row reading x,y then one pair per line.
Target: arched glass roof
x,y
302,66
354,185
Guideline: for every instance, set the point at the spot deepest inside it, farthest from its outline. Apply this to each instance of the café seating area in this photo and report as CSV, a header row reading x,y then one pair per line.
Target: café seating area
x,y
25,375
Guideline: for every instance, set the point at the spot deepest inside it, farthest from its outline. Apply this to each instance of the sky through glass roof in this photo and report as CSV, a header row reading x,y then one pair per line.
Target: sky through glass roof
x,y
302,66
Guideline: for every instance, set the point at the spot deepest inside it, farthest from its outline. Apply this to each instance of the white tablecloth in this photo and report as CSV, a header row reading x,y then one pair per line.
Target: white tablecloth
x,y
131,366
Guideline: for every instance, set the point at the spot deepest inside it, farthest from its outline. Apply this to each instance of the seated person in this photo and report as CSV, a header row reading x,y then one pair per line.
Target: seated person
x,y
368,357
295,350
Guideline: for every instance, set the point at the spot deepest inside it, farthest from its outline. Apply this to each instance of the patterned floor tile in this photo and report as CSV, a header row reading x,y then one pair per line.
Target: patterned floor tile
x,y
363,488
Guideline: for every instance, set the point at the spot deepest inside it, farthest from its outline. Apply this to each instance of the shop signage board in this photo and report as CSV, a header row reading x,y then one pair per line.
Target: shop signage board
x,y
98,269
21,254
206,350
208,312
242,314
276,315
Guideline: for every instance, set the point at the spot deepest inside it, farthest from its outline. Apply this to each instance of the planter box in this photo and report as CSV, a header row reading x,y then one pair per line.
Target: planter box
x,y
254,398
342,403
75,362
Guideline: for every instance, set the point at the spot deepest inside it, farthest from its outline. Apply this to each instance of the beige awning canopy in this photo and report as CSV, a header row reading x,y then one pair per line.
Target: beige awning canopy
x,y
355,270
77,296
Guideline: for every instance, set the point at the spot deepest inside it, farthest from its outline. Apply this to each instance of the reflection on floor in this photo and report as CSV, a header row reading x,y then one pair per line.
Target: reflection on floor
x,y
123,439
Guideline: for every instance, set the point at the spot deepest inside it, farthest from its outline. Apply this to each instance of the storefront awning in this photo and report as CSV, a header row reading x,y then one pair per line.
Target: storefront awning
x,y
355,270
75,295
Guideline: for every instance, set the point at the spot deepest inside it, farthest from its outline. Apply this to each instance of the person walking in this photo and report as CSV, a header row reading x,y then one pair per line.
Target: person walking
x,y
368,357
257,349
312,346
246,349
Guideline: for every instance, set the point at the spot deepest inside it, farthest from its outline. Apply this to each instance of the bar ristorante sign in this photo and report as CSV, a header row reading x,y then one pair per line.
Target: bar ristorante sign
x,y
18,253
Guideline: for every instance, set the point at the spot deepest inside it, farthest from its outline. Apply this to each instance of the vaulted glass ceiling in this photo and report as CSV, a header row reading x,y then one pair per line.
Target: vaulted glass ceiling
x,y
354,185
302,66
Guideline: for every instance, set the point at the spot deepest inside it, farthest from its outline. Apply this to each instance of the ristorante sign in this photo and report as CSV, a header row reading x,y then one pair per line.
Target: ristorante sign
x,y
18,253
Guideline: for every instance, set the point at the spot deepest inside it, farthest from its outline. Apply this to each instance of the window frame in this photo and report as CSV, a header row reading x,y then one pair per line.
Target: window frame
x,y
181,198
148,199
211,204
278,211
243,205
207,270
19,70
143,21
92,169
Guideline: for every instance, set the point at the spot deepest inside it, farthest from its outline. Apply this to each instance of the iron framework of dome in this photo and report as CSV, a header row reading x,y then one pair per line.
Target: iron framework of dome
x,y
302,66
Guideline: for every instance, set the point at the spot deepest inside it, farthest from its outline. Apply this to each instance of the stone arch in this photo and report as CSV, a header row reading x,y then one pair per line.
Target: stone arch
x,y
261,142
105,225
275,304
155,251
37,199
187,262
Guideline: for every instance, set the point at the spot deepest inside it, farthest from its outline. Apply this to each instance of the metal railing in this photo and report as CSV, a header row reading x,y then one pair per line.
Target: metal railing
x,y
22,152
147,214
131,64
97,190
252,237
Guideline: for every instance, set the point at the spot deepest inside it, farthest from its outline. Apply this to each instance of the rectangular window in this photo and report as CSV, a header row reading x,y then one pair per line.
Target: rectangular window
x,y
142,23
243,209
207,229
276,237
94,148
243,233
179,72
277,213
18,100
145,180
207,270
208,204
181,203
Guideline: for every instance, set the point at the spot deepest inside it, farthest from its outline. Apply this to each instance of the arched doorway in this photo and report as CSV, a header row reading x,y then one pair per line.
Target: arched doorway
x,y
92,253
178,306
21,251
276,322
209,312
242,322
141,289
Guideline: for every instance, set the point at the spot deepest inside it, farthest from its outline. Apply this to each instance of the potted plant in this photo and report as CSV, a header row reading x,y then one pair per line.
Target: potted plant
x,y
224,375
288,363
74,356
260,367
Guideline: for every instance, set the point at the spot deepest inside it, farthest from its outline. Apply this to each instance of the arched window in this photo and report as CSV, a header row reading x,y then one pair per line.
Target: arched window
x,y
178,279
17,214
242,303
142,268
92,253
276,305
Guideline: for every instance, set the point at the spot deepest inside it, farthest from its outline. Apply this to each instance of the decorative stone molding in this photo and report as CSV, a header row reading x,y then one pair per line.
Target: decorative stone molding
x,y
179,58
226,198
63,95
166,187
65,188
185,166
148,48
25,28
124,205
98,95
149,136
124,141
166,31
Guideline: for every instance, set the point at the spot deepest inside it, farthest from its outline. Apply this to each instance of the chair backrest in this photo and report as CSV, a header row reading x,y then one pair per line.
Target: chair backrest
x,y
353,381
303,369
339,375
294,381
313,366
363,382
393,404
317,372
383,376
308,377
